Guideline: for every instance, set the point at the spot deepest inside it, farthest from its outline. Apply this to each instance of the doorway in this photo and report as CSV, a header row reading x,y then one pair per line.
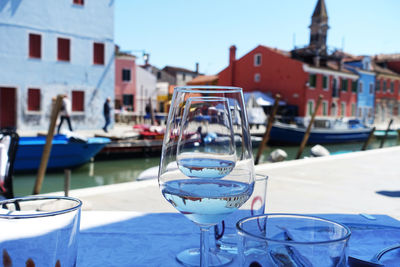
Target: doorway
x,y
8,109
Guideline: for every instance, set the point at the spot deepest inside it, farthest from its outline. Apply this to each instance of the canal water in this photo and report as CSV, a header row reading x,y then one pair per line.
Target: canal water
x,y
126,170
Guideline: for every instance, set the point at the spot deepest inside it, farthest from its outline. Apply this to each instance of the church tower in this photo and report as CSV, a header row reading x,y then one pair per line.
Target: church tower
x,y
319,28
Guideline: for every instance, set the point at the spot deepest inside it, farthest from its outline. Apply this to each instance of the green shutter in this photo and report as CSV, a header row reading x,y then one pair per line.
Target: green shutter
x,y
354,86
313,80
325,82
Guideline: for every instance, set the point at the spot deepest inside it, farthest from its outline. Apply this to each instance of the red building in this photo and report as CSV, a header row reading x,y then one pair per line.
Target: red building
x,y
273,71
125,81
387,93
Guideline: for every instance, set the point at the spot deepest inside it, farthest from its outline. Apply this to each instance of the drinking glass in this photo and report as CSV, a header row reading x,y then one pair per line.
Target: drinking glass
x,y
207,137
226,237
292,240
39,231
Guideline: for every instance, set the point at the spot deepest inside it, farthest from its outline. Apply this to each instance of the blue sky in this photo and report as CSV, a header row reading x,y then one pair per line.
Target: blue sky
x,y
182,32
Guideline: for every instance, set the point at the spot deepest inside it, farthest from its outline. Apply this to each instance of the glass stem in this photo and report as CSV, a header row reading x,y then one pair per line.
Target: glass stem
x,y
204,246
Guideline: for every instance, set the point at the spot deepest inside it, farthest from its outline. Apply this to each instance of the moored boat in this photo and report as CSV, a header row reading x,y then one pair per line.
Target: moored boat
x,y
66,152
332,132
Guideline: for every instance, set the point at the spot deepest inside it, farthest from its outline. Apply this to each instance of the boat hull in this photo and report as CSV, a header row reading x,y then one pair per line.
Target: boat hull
x,y
287,134
64,153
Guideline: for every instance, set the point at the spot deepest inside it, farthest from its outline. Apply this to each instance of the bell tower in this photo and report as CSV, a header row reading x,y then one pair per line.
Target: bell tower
x,y
319,27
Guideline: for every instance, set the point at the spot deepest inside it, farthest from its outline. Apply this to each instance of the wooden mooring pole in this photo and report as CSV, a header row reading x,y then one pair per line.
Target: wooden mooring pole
x,y
67,181
307,134
371,134
47,147
386,133
268,129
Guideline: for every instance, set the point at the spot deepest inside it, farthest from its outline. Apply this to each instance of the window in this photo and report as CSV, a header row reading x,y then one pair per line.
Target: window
x,y
127,100
312,80
343,109
378,85
344,85
78,101
353,109
384,87
324,108
126,75
310,107
33,99
98,53
183,76
257,60
35,45
360,88
392,87
359,112
79,2
354,86
158,75
257,77
371,88
63,49
325,82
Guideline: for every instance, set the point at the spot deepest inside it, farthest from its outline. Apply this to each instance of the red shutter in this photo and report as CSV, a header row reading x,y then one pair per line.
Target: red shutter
x,y
79,2
63,49
78,101
33,99
35,45
98,53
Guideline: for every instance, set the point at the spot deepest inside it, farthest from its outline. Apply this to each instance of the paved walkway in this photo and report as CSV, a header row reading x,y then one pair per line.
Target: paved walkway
x,y
360,182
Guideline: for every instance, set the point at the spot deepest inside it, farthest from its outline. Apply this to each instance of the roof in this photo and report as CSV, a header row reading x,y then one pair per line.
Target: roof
x,y
203,79
280,51
174,70
381,70
387,57
320,10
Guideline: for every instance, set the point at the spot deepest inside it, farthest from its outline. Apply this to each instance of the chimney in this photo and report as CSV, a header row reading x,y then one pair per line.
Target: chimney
x,y
232,54
197,68
232,61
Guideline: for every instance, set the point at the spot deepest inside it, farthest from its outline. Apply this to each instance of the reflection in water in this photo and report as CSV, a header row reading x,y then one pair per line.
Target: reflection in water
x,y
127,170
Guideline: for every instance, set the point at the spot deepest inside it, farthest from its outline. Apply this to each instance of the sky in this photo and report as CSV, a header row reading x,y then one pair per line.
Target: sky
x,y
180,33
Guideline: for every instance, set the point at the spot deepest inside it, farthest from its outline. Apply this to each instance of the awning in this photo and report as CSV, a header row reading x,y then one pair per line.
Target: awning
x,y
261,98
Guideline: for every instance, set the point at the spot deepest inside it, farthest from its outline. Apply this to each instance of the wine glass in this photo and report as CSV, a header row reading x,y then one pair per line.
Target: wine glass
x,y
207,138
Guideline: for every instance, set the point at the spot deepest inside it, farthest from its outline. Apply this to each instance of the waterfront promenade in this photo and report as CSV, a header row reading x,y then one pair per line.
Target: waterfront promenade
x,y
360,182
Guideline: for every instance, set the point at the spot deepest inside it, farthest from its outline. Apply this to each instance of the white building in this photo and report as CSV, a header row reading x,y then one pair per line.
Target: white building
x,y
55,47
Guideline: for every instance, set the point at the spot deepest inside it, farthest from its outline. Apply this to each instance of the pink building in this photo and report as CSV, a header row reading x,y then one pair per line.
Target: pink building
x,y
125,81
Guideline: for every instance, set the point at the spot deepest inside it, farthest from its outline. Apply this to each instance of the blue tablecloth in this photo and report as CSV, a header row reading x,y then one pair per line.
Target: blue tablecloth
x,y
135,239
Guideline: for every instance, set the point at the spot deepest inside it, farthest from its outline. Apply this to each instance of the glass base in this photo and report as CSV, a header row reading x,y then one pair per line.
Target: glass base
x,y
191,257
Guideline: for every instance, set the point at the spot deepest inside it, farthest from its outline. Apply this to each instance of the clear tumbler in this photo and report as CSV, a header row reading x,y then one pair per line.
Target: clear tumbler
x,y
292,240
39,231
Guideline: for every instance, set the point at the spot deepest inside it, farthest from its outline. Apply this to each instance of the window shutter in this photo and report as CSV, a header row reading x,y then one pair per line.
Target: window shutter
x,y
78,101
35,46
98,53
33,99
63,49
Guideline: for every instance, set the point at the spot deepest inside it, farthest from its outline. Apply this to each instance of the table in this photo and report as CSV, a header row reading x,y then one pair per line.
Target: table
x,y
124,238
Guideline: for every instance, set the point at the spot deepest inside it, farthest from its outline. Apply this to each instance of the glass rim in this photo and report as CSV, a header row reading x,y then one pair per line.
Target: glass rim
x,y
309,217
209,89
43,214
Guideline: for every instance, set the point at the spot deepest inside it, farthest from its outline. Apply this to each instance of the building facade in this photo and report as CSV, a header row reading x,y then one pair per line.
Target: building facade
x,y
362,66
182,76
146,91
125,82
55,47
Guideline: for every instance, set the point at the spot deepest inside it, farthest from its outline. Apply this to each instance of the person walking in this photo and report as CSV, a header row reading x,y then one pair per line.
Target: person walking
x,y
65,113
106,113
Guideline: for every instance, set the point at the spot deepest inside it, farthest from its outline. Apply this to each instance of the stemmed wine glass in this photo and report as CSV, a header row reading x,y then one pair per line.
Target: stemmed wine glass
x,y
206,170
